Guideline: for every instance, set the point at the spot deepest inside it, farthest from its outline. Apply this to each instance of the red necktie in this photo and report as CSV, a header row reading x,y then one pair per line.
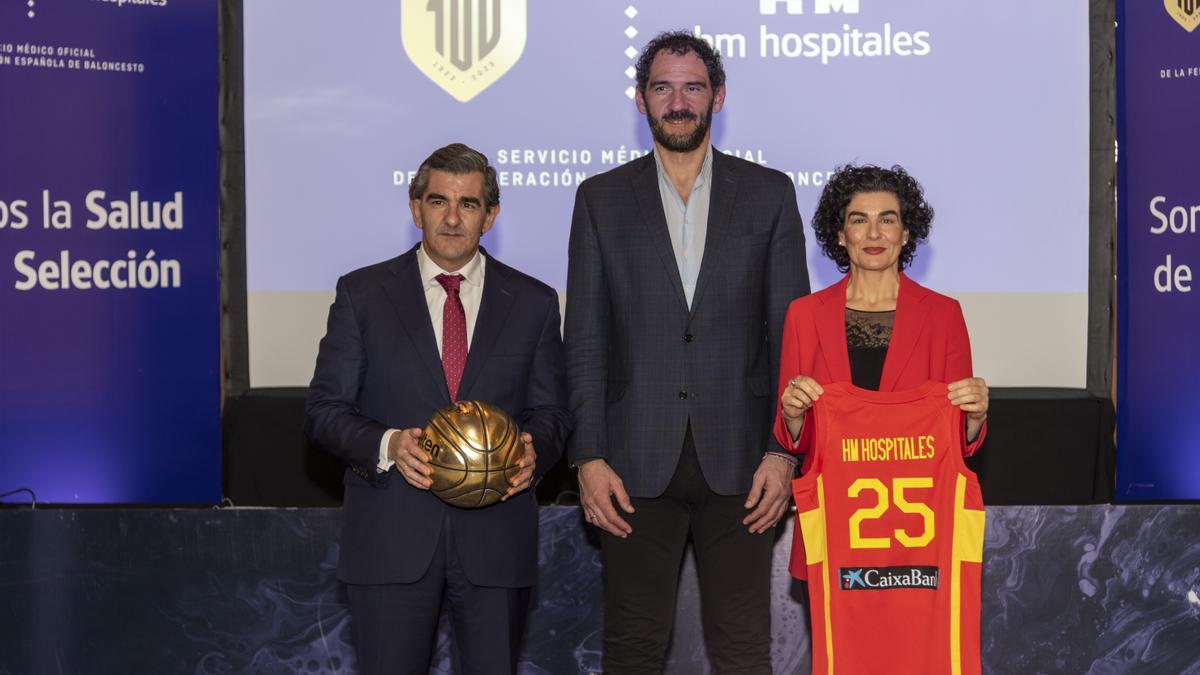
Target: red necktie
x,y
454,333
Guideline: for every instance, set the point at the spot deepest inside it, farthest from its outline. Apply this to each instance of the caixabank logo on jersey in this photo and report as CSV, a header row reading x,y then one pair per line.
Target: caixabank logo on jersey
x,y
1185,12
884,578
464,46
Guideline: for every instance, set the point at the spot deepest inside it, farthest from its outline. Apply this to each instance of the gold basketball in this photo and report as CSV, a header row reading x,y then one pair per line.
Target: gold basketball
x,y
474,448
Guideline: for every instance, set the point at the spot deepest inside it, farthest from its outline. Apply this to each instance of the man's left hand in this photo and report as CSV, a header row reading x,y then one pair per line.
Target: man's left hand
x,y
524,478
768,494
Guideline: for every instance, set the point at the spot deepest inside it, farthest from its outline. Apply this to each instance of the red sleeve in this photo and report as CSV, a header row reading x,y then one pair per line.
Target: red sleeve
x,y
958,366
791,364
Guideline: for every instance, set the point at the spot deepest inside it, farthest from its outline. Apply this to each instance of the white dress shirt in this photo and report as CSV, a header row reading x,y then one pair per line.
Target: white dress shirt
x,y
687,221
470,292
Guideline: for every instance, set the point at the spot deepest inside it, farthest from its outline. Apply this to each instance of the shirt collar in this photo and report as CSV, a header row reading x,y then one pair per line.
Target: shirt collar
x,y
705,168
472,272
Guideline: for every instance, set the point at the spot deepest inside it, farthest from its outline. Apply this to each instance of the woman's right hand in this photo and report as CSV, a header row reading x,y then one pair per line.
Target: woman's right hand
x,y
800,394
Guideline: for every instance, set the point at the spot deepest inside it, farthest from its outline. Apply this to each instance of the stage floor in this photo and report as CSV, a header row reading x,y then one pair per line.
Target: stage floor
x,y
1089,589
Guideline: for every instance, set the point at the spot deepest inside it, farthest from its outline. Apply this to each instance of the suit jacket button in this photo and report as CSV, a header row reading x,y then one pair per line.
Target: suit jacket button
x,y
683,394
688,337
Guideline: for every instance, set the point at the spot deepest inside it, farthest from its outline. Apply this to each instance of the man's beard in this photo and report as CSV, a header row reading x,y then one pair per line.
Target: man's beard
x,y
680,142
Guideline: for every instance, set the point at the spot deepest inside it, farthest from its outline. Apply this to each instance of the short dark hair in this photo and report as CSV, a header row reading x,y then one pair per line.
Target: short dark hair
x,y
915,213
458,159
680,42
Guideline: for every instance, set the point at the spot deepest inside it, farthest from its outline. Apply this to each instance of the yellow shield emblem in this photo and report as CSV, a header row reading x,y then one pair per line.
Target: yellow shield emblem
x,y
464,46
1185,12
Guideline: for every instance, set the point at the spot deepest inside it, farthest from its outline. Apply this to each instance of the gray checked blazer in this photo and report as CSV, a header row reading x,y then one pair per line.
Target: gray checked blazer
x,y
640,365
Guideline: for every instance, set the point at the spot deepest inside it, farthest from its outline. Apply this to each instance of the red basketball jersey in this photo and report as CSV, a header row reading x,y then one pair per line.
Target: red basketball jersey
x,y
893,532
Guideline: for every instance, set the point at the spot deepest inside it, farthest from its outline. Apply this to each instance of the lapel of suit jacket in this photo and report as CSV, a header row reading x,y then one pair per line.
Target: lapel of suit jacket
x,y
831,330
911,310
494,307
720,206
649,199
408,297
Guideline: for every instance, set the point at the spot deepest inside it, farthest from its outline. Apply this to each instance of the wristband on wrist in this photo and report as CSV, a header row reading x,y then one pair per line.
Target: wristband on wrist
x,y
787,457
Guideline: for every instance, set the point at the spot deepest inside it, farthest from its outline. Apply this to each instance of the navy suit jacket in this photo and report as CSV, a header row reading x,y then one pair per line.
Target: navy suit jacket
x,y
379,368
640,362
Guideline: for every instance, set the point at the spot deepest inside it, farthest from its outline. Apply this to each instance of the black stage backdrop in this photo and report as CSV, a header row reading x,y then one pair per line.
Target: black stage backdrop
x,y
1044,446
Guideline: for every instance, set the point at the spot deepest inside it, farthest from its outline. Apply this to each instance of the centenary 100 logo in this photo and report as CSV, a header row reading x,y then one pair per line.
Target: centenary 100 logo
x,y
1185,12
464,46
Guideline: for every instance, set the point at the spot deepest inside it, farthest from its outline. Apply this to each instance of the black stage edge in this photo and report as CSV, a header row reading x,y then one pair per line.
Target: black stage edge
x,y
1044,446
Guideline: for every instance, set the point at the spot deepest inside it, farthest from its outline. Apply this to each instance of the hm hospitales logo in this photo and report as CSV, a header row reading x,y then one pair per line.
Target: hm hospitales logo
x,y
464,46
1185,12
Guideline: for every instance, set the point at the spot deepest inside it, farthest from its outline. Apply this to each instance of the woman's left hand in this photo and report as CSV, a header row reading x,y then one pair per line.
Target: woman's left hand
x,y
971,396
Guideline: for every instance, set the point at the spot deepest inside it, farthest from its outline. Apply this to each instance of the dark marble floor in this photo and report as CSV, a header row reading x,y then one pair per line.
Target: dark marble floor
x,y
1098,589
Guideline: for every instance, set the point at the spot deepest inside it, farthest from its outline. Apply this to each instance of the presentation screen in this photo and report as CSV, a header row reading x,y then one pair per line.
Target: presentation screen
x,y
985,103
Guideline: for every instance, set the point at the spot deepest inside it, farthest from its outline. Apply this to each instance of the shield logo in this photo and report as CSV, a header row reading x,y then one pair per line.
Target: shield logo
x,y
1185,12
464,46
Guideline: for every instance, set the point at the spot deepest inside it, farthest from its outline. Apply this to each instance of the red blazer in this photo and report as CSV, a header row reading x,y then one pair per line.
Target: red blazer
x,y
929,342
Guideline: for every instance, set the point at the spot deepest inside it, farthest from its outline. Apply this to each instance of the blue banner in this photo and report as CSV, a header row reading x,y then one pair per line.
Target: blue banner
x,y
1158,364
109,288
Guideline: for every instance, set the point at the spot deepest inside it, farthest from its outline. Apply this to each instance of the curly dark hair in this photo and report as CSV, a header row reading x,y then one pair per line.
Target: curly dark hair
x,y
915,213
680,42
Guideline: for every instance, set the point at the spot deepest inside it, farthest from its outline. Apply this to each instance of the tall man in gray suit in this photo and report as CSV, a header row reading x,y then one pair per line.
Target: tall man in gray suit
x,y
682,265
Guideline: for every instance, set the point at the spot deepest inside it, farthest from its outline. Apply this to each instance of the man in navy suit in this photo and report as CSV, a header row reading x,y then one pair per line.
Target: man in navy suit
x,y
442,322
682,265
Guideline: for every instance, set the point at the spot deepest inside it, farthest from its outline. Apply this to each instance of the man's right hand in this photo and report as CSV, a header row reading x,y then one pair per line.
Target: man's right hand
x,y
404,448
599,485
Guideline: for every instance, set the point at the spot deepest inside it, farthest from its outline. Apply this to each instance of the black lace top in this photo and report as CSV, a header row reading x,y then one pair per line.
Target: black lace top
x,y
867,337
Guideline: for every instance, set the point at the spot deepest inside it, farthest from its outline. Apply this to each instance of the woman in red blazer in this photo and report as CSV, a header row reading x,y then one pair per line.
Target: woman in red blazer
x,y
876,327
